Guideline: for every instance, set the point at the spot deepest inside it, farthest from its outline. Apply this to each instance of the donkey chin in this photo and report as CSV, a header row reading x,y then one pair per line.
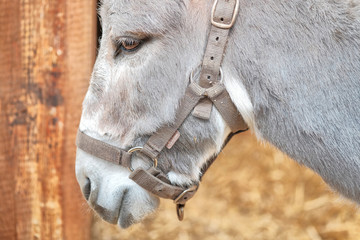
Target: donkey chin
x,y
111,194
125,207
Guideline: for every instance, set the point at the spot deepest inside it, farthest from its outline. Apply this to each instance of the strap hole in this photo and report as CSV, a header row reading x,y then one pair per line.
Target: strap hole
x,y
185,198
212,58
222,19
209,77
217,38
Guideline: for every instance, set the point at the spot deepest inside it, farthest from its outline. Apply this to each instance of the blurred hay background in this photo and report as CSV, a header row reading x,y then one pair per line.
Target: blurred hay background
x,y
251,192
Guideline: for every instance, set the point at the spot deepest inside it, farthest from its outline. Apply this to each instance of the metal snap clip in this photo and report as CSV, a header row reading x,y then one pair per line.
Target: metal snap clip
x,y
180,208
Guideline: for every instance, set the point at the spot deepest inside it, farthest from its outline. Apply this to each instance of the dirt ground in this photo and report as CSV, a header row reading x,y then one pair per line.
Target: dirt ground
x,y
252,192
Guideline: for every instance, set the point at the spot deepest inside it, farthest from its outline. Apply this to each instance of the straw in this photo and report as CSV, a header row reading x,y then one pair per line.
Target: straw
x,y
251,192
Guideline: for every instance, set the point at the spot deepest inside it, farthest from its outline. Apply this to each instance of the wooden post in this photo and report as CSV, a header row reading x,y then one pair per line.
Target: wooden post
x,y
47,50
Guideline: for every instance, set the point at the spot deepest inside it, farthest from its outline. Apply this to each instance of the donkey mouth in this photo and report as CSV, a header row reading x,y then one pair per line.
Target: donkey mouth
x,y
124,206
135,207
120,215
105,214
125,218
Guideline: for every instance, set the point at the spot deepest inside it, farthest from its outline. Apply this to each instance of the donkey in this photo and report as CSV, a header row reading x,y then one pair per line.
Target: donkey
x,y
292,69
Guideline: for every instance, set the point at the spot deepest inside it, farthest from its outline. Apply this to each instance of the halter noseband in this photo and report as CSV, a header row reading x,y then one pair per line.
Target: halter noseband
x,y
198,101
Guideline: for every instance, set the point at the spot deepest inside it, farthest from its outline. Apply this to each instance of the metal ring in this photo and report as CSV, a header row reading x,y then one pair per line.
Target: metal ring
x,y
136,149
221,75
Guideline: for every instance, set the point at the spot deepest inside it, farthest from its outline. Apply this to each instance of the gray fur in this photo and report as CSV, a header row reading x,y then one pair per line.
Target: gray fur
x,y
298,60
137,101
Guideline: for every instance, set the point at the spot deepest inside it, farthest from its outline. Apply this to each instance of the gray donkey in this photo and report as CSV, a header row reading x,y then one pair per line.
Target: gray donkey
x,y
292,68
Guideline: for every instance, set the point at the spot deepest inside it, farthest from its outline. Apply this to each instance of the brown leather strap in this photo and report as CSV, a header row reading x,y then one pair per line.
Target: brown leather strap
x,y
203,109
103,150
194,93
153,181
223,15
160,138
223,103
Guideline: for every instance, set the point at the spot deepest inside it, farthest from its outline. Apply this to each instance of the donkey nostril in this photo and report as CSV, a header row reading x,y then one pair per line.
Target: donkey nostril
x,y
87,189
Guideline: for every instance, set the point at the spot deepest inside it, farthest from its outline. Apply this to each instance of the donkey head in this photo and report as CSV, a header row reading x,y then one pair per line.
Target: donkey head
x,y
148,51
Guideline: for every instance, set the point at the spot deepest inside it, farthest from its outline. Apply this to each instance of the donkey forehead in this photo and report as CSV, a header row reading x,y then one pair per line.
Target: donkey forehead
x,y
145,16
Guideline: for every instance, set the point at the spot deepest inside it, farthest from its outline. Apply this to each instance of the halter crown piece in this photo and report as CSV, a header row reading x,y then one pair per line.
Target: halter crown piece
x,y
198,101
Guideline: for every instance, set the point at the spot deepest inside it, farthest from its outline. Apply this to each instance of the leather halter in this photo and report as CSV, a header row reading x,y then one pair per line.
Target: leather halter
x,y
198,101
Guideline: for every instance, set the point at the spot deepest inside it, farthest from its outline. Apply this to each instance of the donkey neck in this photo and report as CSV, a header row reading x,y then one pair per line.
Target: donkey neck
x,y
300,65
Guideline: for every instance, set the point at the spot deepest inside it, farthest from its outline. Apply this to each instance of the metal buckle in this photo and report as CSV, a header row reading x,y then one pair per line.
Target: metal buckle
x,y
135,149
224,25
191,189
180,208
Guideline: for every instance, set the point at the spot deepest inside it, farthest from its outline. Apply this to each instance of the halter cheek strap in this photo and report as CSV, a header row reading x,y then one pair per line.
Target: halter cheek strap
x,y
198,101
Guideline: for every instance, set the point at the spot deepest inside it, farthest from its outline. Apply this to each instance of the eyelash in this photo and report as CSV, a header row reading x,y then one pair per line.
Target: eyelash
x,y
121,45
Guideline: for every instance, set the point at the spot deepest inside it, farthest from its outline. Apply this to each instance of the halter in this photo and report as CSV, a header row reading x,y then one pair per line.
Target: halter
x,y
198,101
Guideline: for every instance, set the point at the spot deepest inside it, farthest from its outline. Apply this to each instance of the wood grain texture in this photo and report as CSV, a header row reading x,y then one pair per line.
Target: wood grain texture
x,y
81,49
47,49
9,68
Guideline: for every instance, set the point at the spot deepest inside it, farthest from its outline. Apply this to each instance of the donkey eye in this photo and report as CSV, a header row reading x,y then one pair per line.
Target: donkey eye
x,y
130,45
127,45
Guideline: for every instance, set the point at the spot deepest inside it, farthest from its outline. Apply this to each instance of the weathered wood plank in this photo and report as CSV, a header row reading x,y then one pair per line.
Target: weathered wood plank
x,y
80,56
38,211
45,64
9,68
